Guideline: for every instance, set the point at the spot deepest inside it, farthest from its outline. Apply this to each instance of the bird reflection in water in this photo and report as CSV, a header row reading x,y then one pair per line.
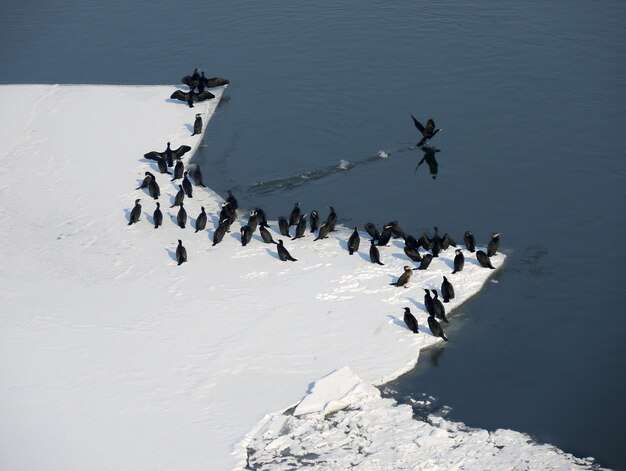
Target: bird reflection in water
x,y
431,161
434,353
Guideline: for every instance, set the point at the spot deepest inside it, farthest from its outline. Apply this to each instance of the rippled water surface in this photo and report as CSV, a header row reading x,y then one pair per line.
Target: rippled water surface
x,y
532,103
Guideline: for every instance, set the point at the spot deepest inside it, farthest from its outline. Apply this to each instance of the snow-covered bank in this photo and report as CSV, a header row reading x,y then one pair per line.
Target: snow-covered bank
x,y
114,357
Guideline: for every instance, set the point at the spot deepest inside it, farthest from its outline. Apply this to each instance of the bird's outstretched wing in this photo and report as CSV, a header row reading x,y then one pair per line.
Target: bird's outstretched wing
x,y
215,82
179,95
418,125
206,95
182,150
187,80
154,155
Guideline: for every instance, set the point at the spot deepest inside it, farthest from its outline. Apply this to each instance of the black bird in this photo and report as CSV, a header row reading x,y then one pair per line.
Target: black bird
x,y
180,196
181,217
181,253
197,125
283,226
459,261
232,201
440,310
213,81
219,233
197,176
385,236
412,253
314,220
410,320
283,254
323,232
412,242
425,242
191,80
174,154
169,154
447,241
372,231
158,216
436,243
221,230
266,236
294,217
428,303
188,97
470,242
427,132
396,230
187,185
179,169
404,278
201,220
436,329
253,220
483,259
146,181
260,215
195,79
154,189
246,235
227,215
426,259
331,220
374,253
161,163
447,290
300,228
494,243
354,241
191,97
135,213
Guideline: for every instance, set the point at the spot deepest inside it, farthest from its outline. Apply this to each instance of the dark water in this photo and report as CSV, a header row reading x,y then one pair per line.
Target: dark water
x,y
532,100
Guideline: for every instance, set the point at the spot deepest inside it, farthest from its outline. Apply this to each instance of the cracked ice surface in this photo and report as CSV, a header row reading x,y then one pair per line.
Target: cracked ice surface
x,y
348,425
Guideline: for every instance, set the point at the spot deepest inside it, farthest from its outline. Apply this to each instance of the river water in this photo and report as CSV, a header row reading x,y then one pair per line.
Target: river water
x,y
531,98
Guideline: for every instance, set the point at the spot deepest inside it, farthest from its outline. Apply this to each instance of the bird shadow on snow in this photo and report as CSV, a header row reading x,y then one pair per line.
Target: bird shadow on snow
x,y
401,256
417,304
189,127
365,257
273,254
149,218
342,243
397,321
171,253
472,261
448,262
175,101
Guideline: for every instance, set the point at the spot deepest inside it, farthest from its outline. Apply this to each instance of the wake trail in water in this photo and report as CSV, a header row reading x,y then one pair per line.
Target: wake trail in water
x,y
288,183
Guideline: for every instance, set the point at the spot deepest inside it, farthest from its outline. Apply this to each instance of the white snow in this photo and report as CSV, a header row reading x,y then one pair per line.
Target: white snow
x,y
114,357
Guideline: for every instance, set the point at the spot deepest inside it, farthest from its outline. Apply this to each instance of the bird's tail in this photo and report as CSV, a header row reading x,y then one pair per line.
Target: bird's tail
x,y
380,263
